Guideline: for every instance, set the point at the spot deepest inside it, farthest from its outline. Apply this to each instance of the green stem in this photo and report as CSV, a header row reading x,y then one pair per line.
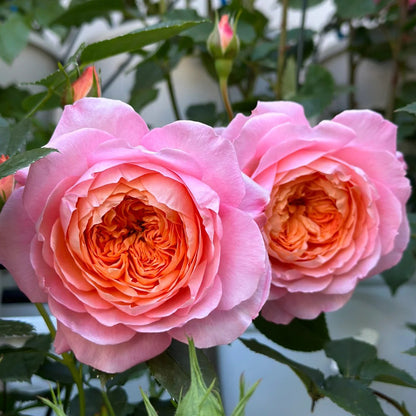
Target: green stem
x,y
76,372
352,64
41,309
393,402
281,51
225,98
107,401
299,57
162,6
396,51
67,359
39,104
172,95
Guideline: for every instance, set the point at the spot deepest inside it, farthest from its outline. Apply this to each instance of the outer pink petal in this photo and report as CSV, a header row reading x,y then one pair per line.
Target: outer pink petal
x,y
88,327
70,161
112,116
214,154
293,110
111,358
16,233
302,305
373,131
243,254
223,327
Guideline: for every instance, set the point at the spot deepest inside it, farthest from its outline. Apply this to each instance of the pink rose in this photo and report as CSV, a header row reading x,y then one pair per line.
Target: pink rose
x,y
135,237
337,202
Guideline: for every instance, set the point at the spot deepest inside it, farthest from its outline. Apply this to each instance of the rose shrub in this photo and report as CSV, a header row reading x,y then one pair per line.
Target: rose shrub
x,y
337,202
135,237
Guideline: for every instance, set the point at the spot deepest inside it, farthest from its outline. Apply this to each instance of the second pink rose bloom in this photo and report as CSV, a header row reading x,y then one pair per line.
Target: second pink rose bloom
x,y
337,194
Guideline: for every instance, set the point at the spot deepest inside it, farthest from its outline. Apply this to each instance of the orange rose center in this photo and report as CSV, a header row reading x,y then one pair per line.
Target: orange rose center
x,y
308,218
137,249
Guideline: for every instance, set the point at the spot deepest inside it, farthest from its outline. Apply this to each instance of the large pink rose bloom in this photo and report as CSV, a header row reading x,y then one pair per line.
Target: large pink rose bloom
x,y
135,237
336,213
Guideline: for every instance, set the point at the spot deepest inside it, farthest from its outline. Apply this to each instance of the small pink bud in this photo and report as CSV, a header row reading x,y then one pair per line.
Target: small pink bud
x,y
87,85
6,184
226,32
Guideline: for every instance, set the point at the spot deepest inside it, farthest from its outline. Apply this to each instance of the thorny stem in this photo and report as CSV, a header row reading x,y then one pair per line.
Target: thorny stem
x,y
396,50
281,50
393,402
225,98
67,359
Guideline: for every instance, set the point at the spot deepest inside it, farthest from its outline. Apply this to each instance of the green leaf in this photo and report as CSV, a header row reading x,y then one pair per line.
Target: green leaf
x,y
19,364
9,328
317,92
46,11
350,354
355,8
56,372
244,398
352,396
20,135
298,335
411,351
14,33
94,402
382,370
172,369
403,271
87,11
204,113
11,99
21,160
312,379
409,108
149,408
134,41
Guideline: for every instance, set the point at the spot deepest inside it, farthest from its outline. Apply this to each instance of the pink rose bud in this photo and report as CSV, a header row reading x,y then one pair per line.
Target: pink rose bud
x,y
87,85
226,32
223,42
6,184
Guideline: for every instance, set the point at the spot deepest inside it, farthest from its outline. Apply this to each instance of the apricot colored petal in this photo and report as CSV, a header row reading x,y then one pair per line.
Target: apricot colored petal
x,y
372,130
114,117
214,154
15,249
111,358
